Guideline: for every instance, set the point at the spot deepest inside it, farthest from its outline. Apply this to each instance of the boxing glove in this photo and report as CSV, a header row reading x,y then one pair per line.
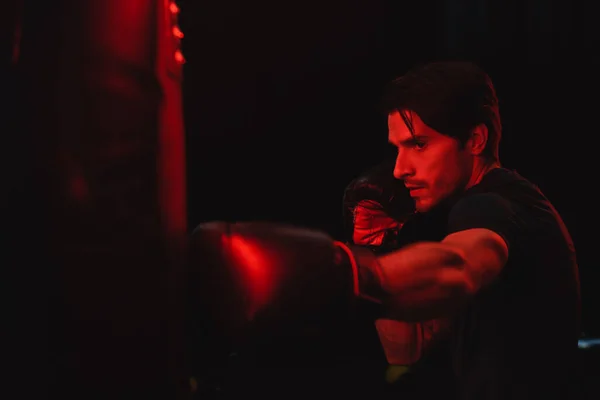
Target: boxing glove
x,y
375,207
275,278
266,295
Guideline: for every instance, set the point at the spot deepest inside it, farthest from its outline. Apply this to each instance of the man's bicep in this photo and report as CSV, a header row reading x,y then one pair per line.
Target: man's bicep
x,y
484,251
485,227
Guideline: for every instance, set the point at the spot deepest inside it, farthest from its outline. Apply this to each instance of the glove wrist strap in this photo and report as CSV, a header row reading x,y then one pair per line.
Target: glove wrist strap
x,y
366,272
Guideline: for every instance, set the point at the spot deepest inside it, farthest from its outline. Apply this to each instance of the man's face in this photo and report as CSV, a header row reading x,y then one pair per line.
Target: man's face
x,y
433,166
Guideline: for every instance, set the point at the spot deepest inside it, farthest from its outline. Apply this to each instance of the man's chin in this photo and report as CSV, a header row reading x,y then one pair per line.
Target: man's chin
x,y
423,205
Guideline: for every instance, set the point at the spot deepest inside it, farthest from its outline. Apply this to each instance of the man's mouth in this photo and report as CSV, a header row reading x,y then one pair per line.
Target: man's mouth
x,y
415,190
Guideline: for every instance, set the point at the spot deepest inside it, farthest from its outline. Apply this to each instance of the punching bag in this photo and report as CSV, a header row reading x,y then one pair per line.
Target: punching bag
x,y
101,161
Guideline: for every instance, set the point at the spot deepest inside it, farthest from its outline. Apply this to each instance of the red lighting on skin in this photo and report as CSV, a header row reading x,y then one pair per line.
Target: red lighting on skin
x,y
173,8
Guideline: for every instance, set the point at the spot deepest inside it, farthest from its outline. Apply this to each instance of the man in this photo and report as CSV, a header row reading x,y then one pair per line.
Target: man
x,y
505,267
494,256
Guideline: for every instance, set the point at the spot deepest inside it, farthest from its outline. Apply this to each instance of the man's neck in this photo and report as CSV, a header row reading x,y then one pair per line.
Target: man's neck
x,y
480,168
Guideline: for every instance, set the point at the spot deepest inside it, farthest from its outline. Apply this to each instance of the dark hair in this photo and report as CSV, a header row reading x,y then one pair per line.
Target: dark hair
x,y
452,97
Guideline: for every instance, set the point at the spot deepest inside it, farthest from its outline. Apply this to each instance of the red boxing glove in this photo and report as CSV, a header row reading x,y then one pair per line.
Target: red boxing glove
x,y
375,206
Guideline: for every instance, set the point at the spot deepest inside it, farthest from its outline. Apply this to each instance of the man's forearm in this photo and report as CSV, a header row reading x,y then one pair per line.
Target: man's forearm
x,y
405,343
423,281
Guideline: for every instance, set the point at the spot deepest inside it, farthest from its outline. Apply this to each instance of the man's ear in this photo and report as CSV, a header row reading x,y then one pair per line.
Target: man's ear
x,y
478,140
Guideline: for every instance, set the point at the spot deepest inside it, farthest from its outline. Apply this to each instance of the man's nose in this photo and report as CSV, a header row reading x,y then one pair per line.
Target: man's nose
x,y
402,168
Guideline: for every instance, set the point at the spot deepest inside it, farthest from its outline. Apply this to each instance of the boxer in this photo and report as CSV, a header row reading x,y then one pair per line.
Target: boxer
x,y
505,264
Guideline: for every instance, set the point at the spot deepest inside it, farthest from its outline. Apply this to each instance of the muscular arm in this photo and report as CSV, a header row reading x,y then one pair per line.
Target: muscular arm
x,y
429,280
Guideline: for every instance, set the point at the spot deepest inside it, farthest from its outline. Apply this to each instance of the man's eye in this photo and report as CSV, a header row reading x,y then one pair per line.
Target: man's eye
x,y
420,145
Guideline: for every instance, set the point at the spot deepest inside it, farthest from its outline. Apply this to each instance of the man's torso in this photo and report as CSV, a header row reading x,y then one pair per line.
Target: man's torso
x,y
513,339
